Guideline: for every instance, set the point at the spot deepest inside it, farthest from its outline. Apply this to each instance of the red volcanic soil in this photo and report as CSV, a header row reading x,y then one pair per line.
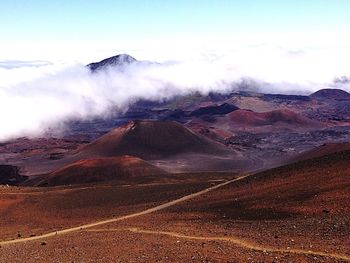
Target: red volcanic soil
x,y
151,140
251,118
335,94
305,187
98,170
303,206
212,132
325,149
312,187
295,213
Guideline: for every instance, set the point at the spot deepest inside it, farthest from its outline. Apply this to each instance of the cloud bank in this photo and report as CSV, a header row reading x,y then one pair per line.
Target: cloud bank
x,y
37,96
11,64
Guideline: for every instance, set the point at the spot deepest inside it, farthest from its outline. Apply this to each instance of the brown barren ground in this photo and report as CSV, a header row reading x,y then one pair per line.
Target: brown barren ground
x,y
296,213
34,211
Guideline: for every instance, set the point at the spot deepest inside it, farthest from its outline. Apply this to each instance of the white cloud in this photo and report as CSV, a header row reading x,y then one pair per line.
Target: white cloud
x,y
35,98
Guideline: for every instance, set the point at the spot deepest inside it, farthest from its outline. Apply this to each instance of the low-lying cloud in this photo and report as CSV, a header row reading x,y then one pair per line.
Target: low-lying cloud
x,y
34,98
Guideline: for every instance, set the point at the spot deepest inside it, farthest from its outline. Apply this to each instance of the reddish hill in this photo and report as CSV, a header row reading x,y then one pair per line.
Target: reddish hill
x,y
335,94
251,118
151,140
312,186
319,186
325,149
99,170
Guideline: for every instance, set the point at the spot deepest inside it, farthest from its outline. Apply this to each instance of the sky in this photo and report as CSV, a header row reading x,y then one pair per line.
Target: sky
x,y
84,30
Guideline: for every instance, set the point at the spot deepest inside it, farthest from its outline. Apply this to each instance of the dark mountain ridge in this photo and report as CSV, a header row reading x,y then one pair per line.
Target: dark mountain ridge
x,y
335,94
118,61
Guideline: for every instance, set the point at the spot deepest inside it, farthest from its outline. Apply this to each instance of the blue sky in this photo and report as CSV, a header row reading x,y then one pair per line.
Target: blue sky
x,y
79,22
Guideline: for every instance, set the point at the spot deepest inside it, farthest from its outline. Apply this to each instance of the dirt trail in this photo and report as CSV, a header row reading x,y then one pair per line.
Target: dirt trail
x,y
112,220
86,188
235,240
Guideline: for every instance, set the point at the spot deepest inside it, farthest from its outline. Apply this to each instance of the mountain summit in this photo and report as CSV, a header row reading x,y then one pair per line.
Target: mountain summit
x,y
150,140
115,61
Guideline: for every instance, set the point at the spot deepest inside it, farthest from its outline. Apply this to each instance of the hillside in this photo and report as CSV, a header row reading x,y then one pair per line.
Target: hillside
x,y
100,170
307,187
251,118
335,94
151,140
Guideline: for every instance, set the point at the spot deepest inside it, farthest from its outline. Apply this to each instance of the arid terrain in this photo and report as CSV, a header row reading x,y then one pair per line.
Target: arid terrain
x,y
295,213
241,176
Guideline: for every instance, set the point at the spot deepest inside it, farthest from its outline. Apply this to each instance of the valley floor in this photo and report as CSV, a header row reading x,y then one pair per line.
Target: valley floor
x,y
153,223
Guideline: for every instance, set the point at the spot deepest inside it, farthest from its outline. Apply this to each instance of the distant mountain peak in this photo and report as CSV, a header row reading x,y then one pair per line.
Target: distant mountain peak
x,y
115,61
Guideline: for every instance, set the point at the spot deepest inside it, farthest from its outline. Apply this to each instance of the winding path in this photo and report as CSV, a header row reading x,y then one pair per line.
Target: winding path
x,y
234,240
116,219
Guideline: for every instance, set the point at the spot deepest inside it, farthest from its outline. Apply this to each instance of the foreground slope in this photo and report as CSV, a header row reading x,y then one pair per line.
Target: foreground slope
x,y
295,213
308,188
324,149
